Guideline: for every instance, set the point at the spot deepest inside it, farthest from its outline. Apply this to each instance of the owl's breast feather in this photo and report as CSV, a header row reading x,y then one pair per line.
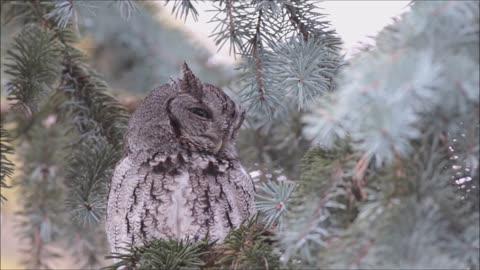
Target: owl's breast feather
x,y
180,219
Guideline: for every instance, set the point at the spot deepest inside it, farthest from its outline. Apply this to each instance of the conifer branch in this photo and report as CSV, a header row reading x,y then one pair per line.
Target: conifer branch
x,y
296,21
79,97
182,9
259,27
126,7
162,254
33,64
273,201
40,183
246,247
6,166
375,126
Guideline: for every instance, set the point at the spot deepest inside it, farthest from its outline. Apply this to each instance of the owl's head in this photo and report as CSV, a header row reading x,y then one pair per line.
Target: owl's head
x,y
185,114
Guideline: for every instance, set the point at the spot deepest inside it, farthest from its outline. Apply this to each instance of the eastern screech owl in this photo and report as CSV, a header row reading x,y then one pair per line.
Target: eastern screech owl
x,y
180,175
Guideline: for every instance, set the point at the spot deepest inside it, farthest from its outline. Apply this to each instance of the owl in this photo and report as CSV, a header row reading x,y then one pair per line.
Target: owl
x,y
180,176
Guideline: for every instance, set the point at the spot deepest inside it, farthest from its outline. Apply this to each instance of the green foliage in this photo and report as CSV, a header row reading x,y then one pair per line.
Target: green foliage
x,y
273,145
247,247
282,43
379,86
416,220
183,8
42,218
288,57
320,207
410,179
89,171
162,254
91,108
320,167
6,166
33,62
305,69
17,11
77,124
100,123
272,200
63,12
126,7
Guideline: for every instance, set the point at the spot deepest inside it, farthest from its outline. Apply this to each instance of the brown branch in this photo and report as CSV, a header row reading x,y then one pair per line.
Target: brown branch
x,y
258,61
230,17
336,178
358,177
38,247
363,252
296,21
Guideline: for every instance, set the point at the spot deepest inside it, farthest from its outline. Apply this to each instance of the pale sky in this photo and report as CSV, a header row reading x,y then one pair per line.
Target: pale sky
x,y
354,21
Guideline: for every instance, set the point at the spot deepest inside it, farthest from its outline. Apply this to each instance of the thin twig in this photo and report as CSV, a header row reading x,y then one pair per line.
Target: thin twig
x,y
230,17
296,21
258,61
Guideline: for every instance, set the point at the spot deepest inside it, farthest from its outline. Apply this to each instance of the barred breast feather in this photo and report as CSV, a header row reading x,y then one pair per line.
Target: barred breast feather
x,y
180,196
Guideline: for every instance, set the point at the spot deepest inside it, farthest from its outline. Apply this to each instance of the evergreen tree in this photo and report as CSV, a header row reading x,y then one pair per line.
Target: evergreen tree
x,y
365,163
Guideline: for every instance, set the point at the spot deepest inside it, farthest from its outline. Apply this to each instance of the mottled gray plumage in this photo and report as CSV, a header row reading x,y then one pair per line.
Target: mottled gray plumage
x,y
180,176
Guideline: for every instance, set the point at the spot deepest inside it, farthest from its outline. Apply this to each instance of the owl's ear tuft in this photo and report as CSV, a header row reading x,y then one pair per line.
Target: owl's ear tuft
x,y
190,83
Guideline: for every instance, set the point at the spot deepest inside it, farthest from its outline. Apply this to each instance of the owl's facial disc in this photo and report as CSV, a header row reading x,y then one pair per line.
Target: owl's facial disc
x,y
202,116
195,123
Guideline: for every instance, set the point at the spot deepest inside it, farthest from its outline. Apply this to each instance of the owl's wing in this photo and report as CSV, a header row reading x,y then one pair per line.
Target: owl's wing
x,y
125,177
245,189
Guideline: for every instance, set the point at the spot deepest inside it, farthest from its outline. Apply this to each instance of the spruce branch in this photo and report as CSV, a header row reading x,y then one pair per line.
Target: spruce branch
x,y
272,145
305,69
162,254
100,121
91,108
367,108
257,86
63,12
309,23
33,63
227,29
273,201
323,125
126,7
41,222
182,9
255,29
296,21
246,247
321,206
15,11
88,173
415,219
80,98
6,166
